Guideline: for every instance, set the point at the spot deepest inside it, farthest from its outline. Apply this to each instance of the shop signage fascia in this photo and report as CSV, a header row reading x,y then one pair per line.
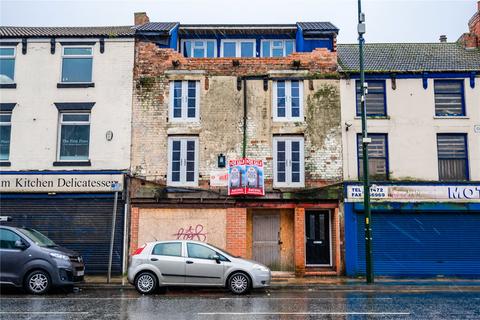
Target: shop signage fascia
x,y
416,193
64,183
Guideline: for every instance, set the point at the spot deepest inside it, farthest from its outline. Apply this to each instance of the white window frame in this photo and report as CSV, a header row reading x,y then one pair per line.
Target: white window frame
x,y
76,57
288,102
183,166
284,47
288,162
59,138
14,56
204,47
184,109
238,47
7,123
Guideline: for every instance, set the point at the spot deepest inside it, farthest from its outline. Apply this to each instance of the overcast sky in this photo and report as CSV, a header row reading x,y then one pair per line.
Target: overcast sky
x,y
387,20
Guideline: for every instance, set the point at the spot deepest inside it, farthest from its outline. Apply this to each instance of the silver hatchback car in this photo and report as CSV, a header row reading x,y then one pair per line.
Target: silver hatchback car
x,y
193,263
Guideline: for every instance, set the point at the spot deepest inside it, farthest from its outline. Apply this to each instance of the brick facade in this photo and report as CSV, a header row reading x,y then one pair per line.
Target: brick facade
x,y
220,130
236,232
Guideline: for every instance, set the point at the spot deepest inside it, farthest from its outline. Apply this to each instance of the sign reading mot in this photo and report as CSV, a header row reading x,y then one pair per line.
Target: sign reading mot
x,y
245,177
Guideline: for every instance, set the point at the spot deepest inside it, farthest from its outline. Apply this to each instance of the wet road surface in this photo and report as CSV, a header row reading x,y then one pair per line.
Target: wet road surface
x,y
275,304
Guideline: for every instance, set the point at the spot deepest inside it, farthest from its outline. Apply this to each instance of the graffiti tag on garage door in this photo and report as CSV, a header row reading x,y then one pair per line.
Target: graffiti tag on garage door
x,y
191,233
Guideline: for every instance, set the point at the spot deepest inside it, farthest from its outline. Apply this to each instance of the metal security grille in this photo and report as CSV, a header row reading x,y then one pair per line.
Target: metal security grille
x,y
452,157
449,98
376,105
83,225
422,244
377,156
266,233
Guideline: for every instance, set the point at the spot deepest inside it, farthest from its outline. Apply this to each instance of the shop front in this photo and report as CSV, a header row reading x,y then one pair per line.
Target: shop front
x,y
424,230
73,208
290,238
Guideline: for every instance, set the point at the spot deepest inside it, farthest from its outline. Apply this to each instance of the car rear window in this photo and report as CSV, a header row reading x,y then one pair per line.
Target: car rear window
x,y
168,249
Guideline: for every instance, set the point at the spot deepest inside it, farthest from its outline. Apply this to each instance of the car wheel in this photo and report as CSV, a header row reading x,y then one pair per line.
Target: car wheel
x,y
146,283
239,283
37,282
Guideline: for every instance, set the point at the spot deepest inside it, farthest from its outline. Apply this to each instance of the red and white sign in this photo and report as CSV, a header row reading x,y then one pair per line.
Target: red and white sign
x,y
245,177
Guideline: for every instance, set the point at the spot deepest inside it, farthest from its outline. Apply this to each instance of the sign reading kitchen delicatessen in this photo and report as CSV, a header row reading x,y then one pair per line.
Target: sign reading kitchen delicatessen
x,y
61,183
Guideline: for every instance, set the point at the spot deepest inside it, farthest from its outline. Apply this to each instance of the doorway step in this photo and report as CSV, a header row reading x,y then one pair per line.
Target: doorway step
x,y
320,271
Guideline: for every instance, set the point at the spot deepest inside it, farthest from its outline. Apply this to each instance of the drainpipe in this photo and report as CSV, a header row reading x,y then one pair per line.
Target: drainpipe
x,y
244,149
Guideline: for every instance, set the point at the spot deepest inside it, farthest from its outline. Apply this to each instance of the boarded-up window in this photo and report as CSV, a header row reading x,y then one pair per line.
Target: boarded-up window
x,y
449,98
377,156
452,157
376,100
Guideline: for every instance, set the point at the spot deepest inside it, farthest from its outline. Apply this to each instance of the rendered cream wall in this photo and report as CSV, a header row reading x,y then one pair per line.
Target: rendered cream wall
x,y
34,134
412,128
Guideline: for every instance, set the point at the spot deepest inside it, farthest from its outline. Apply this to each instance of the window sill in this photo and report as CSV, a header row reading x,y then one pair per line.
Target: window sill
x,y
8,85
451,117
72,163
5,164
374,117
76,85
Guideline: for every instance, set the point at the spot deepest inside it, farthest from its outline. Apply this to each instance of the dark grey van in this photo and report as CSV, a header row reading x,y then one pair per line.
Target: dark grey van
x,y
30,259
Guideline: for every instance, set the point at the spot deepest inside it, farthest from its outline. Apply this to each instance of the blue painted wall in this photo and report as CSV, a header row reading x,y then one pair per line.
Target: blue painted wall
x,y
310,44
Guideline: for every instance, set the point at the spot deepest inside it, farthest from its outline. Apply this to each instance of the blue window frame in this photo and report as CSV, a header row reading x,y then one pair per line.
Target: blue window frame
x,y
238,48
377,156
199,48
7,65
449,98
376,98
277,48
184,101
77,64
452,156
5,130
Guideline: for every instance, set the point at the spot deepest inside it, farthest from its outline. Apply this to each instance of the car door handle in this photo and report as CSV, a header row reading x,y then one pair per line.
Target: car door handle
x,y
189,262
154,259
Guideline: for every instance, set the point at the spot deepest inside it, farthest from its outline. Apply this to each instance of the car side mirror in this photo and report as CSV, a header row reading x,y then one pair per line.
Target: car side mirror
x,y
19,244
216,258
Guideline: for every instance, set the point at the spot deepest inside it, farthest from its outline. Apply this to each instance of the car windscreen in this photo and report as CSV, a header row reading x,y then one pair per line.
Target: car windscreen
x,y
223,251
38,238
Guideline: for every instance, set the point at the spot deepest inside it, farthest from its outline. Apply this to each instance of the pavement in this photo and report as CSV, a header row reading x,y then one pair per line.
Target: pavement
x,y
336,283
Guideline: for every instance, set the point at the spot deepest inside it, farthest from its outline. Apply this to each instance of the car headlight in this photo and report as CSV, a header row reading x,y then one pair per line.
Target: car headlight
x,y
59,256
260,268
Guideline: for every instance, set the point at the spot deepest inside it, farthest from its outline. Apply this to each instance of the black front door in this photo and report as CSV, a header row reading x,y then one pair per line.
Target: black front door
x,y
317,231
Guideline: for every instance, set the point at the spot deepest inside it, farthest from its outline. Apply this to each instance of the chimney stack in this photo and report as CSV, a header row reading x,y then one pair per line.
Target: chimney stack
x,y
443,38
141,18
471,39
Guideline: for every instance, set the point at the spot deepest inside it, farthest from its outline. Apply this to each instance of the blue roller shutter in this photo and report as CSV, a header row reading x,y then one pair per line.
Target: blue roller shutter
x,y
83,225
422,244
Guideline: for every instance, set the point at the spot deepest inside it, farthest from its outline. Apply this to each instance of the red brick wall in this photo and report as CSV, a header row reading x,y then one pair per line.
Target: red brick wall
x,y
134,217
154,61
299,234
237,231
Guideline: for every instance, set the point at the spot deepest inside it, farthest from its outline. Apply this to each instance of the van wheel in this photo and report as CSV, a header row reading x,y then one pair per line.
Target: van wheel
x,y
239,283
146,283
37,282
